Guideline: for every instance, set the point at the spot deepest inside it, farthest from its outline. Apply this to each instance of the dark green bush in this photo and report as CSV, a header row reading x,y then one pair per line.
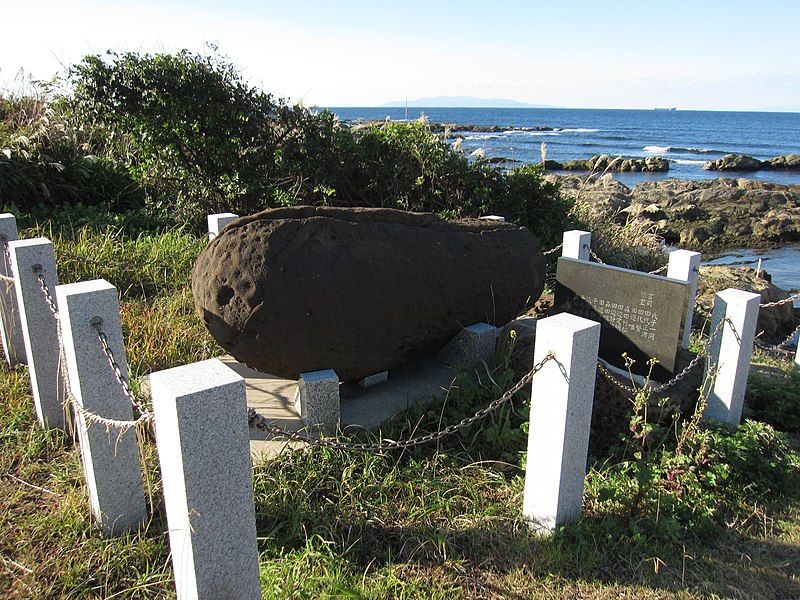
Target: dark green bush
x,y
199,139
183,135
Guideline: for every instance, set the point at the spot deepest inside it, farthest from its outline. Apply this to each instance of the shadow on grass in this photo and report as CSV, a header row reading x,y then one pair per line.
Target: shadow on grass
x,y
488,551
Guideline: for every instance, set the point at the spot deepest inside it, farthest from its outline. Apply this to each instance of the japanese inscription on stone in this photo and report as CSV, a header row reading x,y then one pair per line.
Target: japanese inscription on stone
x,y
641,315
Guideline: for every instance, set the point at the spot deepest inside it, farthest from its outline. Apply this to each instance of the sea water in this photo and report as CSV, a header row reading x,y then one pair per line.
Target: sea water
x,y
685,138
782,263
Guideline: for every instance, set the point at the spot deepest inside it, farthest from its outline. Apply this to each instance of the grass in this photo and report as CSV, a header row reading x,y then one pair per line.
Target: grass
x,y
437,522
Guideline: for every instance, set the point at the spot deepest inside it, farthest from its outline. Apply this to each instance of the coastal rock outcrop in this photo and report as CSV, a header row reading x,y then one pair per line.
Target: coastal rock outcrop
x,y
734,162
697,213
604,162
356,290
742,162
787,162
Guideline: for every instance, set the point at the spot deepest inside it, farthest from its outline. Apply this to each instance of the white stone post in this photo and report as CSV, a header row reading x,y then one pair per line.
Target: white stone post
x,y
730,350
685,265
317,400
562,395
471,347
204,451
217,223
28,258
576,244
10,324
110,456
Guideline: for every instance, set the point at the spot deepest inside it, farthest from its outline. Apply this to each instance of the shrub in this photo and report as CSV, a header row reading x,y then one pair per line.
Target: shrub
x,y
186,127
48,157
198,139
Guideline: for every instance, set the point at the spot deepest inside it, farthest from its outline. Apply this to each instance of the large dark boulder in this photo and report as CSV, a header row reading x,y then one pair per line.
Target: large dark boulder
x,y
356,290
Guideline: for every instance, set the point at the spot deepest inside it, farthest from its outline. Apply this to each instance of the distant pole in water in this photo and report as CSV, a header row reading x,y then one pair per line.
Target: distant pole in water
x,y
544,155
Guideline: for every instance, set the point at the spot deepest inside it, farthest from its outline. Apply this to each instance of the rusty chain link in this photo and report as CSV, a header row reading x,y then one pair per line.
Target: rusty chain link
x,y
258,421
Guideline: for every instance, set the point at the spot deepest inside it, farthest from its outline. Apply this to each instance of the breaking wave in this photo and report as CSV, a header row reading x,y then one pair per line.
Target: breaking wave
x,y
679,149
657,149
681,161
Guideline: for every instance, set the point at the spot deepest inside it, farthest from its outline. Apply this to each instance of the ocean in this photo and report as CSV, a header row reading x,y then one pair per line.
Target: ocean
x,y
686,138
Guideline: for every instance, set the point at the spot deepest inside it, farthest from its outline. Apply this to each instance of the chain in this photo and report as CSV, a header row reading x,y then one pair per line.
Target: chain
x,y
118,374
660,388
47,295
6,249
594,256
791,298
659,270
144,417
258,421
782,346
557,248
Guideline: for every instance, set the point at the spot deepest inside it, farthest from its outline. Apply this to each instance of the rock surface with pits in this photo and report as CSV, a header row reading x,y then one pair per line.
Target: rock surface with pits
x,y
356,290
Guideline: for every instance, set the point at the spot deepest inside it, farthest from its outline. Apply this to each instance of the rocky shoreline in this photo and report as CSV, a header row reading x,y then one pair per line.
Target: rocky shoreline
x,y
600,163
697,214
742,162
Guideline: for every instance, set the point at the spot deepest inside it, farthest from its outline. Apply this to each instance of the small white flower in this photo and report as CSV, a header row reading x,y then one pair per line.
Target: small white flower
x,y
479,153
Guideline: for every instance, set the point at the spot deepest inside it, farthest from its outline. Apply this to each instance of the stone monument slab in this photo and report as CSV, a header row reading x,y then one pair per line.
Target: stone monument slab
x,y
640,314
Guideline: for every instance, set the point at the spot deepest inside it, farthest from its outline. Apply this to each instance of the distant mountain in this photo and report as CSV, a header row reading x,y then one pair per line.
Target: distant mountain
x,y
463,102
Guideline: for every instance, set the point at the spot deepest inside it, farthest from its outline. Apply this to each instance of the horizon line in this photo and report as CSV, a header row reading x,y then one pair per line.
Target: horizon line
x,y
658,109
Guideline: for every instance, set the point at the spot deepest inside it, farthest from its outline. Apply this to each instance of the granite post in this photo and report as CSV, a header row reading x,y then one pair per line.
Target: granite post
x,y
471,347
204,451
562,395
10,324
317,400
217,223
110,456
576,244
39,330
685,265
729,354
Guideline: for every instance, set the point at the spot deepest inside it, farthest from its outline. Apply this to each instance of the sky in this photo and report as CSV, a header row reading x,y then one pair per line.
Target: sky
x,y
703,54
